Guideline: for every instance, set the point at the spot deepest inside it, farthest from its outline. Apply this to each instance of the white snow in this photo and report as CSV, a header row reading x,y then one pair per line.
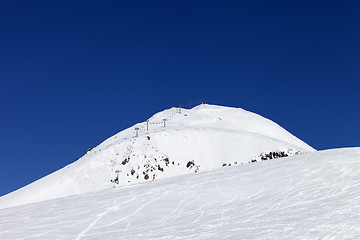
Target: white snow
x,y
310,196
196,140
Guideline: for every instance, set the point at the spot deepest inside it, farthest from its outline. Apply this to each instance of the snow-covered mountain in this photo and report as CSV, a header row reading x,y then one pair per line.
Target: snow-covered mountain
x,y
308,196
171,143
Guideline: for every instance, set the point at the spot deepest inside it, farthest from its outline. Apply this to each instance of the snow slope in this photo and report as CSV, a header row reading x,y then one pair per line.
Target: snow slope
x,y
195,140
310,196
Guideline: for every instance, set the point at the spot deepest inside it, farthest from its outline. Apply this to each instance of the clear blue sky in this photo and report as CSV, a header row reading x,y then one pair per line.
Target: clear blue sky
x,y
73,73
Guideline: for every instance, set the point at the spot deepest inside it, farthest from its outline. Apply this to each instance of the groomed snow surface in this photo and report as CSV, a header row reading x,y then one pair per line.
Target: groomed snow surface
x,y
310,196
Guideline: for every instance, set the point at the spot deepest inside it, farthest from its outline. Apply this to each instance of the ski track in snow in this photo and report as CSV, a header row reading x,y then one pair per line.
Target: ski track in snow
x,y
91,225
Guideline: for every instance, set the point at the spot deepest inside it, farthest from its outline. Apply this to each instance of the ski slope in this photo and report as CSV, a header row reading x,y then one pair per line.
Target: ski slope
x,y
310,196
170,143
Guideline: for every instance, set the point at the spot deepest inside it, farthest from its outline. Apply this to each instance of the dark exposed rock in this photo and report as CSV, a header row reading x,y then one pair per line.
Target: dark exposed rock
x,y
89,150
273,155
116,180
167,161
126,160
190,164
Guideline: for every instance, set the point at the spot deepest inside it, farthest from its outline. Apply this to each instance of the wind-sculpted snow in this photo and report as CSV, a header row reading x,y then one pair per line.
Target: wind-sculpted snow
x,y
310,196
171,143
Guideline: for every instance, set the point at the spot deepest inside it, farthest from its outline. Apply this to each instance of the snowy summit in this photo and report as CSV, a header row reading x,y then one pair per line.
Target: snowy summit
x,y
172,142
202,173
